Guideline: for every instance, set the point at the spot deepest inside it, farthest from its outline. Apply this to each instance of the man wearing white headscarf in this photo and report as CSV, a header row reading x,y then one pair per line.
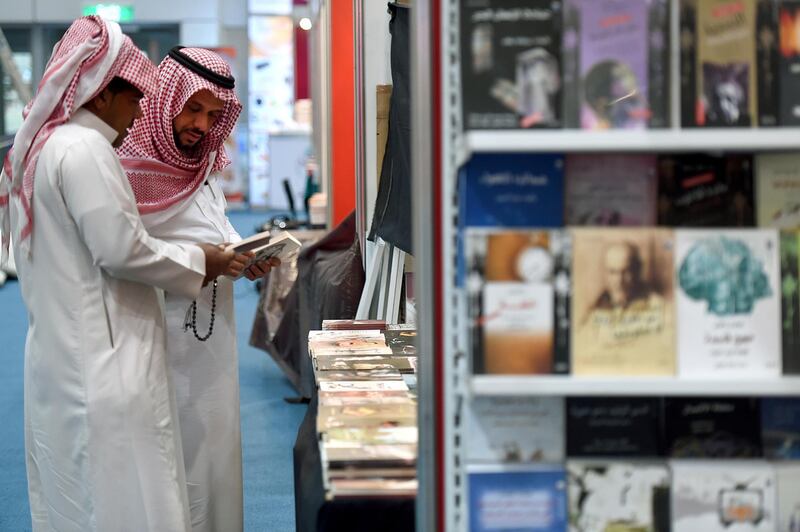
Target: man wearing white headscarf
x,y
102,447
171,158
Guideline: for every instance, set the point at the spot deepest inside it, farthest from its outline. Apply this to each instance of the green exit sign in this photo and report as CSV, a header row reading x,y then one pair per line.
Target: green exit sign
x,y
115,12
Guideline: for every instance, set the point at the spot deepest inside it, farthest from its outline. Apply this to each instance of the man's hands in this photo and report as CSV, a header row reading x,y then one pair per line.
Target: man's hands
x,y
221,262
261,268
217,261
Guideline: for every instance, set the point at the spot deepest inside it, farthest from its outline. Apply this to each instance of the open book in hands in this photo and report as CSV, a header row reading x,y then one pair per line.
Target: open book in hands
x,y
265,248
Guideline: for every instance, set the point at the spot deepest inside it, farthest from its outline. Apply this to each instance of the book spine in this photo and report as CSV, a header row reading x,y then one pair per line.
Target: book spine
x,y
658,64
767,39
790,301
570,50
688,63
561,309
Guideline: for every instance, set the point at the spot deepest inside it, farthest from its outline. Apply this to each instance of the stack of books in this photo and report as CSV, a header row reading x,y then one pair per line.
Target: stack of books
x,y
367,417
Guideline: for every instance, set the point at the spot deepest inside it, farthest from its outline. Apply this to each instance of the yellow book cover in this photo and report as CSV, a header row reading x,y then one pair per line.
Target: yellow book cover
x,y
726,63
778,190
623,319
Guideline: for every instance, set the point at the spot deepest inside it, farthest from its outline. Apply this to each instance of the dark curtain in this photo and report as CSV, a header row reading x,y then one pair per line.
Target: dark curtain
x,y
392,219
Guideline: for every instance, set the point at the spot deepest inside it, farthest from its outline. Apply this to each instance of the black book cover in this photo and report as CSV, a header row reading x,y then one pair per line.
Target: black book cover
x,y
659,65
402,342
511,63
688,47
789,61
790,301
712,427
571,66
614,427
767,61
780,428
699,190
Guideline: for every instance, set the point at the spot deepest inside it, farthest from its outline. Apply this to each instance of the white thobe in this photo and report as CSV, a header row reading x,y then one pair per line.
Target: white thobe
x,y
102,445
205,374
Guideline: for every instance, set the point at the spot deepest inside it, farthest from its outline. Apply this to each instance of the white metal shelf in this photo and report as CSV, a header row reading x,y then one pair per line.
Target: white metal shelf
x,y
653,140
557,385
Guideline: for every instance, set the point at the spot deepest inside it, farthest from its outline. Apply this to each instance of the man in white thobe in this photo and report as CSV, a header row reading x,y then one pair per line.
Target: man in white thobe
x,y
171,158
102,447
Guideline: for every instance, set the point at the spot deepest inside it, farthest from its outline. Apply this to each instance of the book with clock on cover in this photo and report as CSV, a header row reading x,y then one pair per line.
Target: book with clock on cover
x,y
519,299
266,247
618,496
712,427
623,321
722,496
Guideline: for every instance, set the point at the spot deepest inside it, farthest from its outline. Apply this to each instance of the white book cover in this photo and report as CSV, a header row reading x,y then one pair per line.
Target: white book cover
x,y
607,496
729,315
723,496
515,429
788,496
363,386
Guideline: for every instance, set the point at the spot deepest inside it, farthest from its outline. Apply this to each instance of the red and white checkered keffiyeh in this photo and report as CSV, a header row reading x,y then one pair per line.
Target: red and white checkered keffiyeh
x,y
162,175
83,62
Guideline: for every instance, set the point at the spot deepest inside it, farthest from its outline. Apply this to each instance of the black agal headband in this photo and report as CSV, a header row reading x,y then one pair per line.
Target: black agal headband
x,y
226,82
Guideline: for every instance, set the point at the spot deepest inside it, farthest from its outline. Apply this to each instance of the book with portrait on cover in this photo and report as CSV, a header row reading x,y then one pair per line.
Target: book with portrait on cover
x,y
623,302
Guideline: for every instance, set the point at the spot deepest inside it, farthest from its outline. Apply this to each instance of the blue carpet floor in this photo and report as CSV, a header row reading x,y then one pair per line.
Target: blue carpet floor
x,y
269,425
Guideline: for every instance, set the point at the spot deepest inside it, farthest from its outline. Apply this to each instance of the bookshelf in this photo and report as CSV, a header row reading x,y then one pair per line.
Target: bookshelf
x,y
537,385
441,145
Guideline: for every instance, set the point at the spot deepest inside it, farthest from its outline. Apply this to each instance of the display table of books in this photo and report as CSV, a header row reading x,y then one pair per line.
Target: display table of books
x,y
357,448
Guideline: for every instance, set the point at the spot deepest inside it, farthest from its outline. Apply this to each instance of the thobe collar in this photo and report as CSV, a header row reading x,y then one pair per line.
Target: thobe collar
x,y
86,118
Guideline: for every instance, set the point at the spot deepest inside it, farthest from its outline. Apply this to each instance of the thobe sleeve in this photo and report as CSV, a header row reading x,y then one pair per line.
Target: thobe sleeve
x,y
99,199
233,235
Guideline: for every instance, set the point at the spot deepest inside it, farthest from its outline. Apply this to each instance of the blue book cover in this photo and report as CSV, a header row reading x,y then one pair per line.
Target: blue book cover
x,y
518,500
512,190
780,428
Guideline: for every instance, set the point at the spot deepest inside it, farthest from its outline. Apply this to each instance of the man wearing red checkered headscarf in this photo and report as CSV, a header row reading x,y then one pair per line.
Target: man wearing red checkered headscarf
x,y
102,446
171,158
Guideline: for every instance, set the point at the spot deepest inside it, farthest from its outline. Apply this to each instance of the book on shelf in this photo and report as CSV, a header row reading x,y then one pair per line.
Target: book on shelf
x,y
780,428
515,429
265,247
366,415
720,496
364,398
347,345
364,363
511,63
340,456
624,496
402,342
778,189
789,62
788,478
517,498
373,487
610,189
519,301
372,473
336,376
623,302
512,190
728,303
353,325
725,68
616,64
712,427
700,190
346,387
790,301
606,427
372,435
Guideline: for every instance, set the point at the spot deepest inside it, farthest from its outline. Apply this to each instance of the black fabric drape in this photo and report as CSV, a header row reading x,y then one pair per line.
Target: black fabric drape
x,y
329,283
392,219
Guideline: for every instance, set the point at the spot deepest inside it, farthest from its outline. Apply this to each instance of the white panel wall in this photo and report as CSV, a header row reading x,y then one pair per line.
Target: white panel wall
x,y
16,10
200,33
377,71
